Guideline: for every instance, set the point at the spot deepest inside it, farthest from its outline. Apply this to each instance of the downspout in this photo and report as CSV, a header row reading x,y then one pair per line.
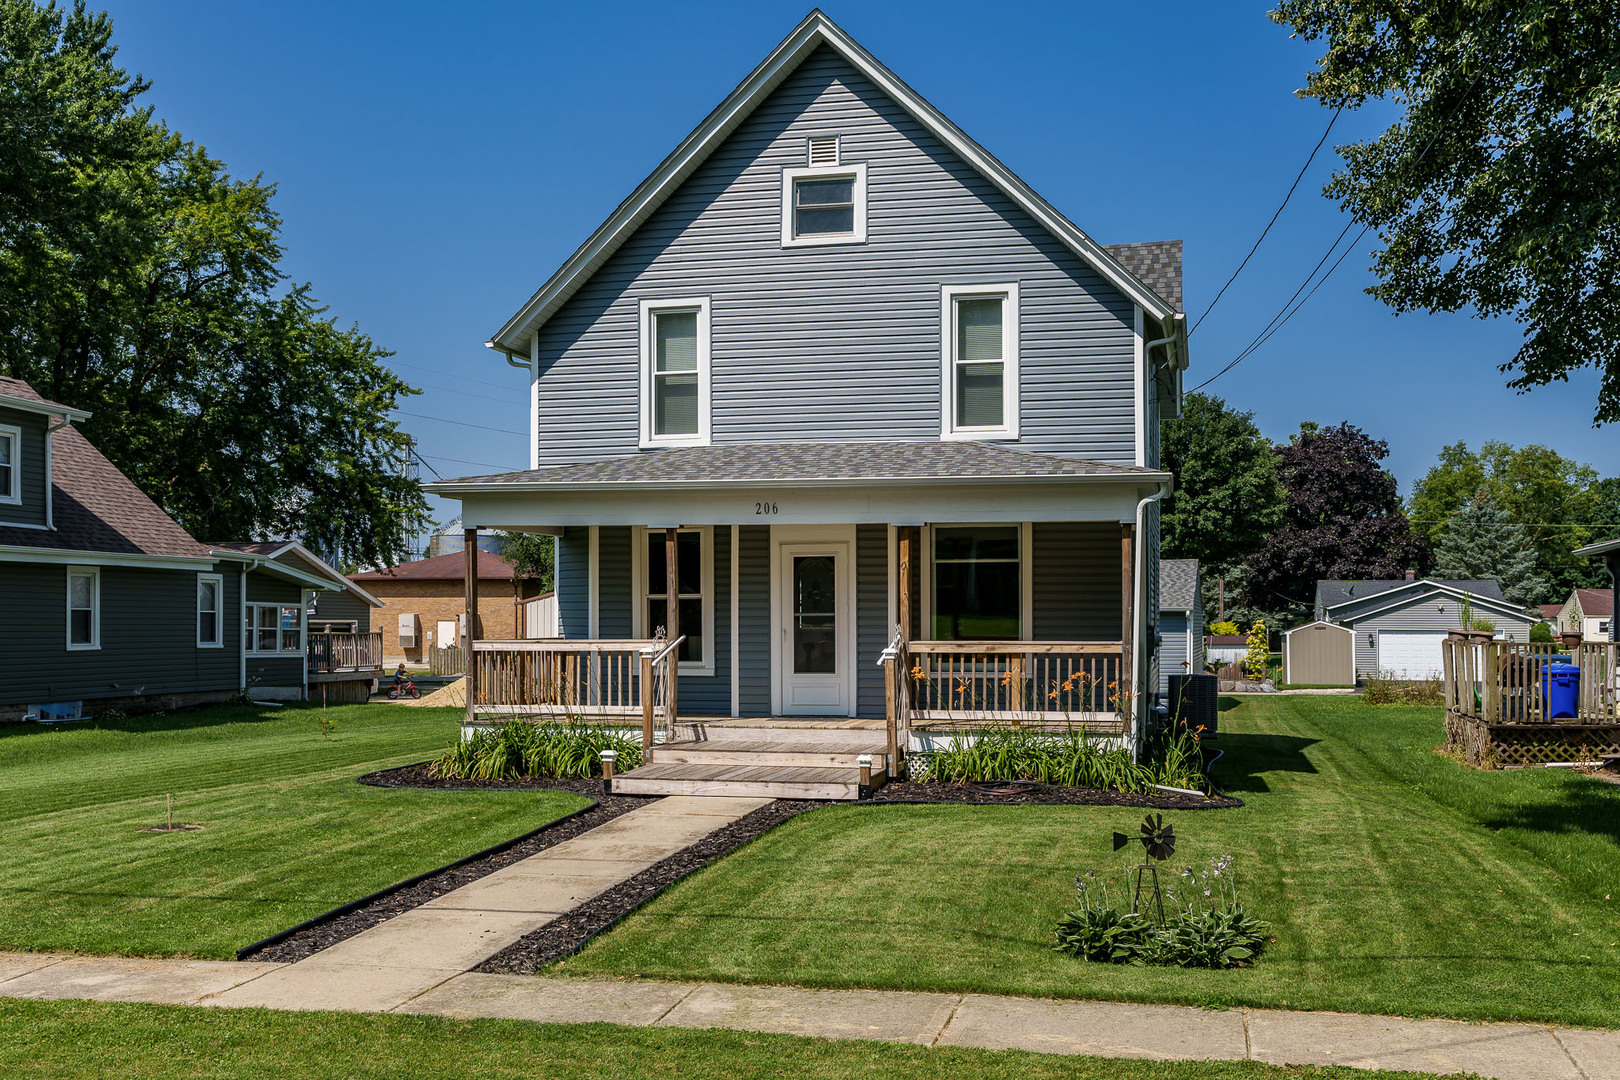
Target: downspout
x,y
1138,668
50,518
242,614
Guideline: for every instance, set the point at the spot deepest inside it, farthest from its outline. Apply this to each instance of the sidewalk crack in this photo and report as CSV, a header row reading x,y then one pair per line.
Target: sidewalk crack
x,y
659,1019
30,971
1248,1046
960,1000
1573,1063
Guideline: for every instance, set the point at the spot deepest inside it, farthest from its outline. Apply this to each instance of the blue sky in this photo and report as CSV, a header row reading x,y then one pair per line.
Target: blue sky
x,y
438,161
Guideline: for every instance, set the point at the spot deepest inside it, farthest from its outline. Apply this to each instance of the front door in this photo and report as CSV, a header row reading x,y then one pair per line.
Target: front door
x,y
814,629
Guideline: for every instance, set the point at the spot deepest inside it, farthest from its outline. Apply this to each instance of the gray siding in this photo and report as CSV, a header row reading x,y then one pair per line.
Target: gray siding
x,y
1077,581
613,581
343,605
1173,649
273,670
573,583
872,616
31,511
712,693
148,637
754,619
1150,564
839,342
1425,612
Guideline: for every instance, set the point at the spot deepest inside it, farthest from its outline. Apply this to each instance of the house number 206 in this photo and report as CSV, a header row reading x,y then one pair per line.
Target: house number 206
x,y
764,508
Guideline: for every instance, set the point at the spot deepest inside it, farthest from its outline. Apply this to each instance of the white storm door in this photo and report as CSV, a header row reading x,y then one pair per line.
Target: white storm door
x,y
815,626
1410,654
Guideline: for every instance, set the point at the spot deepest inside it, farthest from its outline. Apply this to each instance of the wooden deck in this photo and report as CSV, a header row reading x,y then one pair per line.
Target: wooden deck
x,y
764,759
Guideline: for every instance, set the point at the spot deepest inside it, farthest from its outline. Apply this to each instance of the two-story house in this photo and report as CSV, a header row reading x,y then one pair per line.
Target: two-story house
x,y
861,426
111,603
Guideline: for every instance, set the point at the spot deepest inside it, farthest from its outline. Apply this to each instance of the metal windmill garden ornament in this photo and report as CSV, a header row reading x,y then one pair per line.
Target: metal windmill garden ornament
x,y
1158,844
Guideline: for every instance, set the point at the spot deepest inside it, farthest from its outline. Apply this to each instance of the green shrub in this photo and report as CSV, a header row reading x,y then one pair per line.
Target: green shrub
x,y
1069,758
1214,938
523,749
1204,926
1541,634
1103,935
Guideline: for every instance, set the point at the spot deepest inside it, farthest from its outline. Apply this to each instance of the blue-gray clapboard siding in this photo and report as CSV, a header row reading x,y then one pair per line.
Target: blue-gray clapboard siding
x,y
148,637
614,605
1077,581
1150,564
573,583
31,510
1429,611
872,616
839,342
754,619
273,670
341,606
1173,648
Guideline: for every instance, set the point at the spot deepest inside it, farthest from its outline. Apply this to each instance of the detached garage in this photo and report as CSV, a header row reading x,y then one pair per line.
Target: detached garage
x,y
1397,626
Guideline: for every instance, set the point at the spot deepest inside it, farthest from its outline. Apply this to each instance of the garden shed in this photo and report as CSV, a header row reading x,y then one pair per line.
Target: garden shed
x,y
1320,653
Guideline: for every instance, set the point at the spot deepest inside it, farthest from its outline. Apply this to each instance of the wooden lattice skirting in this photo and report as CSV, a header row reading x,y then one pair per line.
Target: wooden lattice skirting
x,y
1493,746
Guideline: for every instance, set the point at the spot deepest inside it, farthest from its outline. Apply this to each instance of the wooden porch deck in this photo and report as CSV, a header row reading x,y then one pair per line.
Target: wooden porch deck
x,y
1499,711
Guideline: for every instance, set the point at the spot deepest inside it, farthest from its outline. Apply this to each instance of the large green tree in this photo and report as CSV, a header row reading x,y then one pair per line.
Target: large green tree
x,y
1481,542
1555,499
140,280
1497,190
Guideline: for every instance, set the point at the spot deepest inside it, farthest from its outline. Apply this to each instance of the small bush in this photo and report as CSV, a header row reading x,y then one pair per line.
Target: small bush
x,y
1103,935
1541,634
1385,689
523,749
1204,926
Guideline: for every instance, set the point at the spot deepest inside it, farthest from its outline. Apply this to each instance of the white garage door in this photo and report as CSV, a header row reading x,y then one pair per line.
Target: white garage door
x,y
1410,654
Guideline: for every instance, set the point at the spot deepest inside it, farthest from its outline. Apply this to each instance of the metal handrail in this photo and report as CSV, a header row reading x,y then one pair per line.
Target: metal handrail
x,y
658,656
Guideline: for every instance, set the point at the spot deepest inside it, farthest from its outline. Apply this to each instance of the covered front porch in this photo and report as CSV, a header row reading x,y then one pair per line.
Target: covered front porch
x,y
909,604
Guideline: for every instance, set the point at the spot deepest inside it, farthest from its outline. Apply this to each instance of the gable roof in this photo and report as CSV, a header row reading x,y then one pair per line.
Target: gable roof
x,y
1331,594
1595,603
815,31
451,567
16,394
1422,591
95,508
803,463
1551,611
1178,584
272,550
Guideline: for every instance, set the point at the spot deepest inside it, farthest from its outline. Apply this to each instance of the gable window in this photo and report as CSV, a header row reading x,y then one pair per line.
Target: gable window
x,y
694,584
675,372
10,464
979,363
83,607
978,592
274,628
210,606
824,204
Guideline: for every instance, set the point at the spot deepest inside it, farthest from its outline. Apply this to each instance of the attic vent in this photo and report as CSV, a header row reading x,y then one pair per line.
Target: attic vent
x,y
823,150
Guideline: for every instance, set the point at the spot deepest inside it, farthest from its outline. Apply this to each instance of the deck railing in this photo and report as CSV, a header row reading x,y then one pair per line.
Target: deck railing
x,y
337,652
1016,682
631,679
1501,682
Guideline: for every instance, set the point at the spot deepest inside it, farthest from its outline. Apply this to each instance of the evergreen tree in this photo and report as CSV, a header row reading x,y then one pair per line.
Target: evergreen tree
x,y
1480,542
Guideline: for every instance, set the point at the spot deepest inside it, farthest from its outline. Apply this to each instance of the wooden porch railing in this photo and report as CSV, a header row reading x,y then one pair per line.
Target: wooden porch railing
x,y
1016,682
343,652
1501,681
628,680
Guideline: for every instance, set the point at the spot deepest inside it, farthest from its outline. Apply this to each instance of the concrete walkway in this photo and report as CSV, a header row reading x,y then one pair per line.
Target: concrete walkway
x,y
1106,1029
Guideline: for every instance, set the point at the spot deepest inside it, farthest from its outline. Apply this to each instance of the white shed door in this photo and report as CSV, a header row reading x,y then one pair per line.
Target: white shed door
x,y
1410,654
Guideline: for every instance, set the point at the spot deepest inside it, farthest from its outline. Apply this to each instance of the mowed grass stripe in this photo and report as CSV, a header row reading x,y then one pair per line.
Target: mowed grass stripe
x,y
287,832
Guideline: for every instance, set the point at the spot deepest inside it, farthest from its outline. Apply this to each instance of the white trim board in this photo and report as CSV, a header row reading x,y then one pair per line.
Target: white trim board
x,y
815,31
13,434
19,553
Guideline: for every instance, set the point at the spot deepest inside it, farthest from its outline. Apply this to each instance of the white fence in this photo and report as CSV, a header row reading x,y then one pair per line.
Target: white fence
x,y
540,617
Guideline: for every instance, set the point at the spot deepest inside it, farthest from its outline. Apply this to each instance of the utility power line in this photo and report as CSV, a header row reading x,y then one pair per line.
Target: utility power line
x,y
462,423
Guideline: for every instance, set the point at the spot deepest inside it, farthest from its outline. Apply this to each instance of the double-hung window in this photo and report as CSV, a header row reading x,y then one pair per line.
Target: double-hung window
x,y
824,204
276,629
675,372
83,607
10,464
694,593
210,611
978,592
979,365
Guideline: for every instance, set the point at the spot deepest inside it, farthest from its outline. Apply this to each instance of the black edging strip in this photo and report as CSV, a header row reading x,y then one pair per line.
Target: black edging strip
x,y
388,890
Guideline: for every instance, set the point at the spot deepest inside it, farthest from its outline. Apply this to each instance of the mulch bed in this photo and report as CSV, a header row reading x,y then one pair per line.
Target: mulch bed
x,y
926,792
567,935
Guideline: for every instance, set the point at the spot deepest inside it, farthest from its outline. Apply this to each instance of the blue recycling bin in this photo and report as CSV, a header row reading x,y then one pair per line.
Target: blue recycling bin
x,y
1560,688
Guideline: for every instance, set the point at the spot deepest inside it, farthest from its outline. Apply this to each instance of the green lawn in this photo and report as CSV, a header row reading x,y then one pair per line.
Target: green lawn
x,y
1395,881
67,1039
287,832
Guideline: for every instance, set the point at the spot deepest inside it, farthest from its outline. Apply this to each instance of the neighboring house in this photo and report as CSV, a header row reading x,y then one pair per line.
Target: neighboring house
x,y
1181,621
1550,614
109,601
1589,612
422,604
1400,624
831,377
1223,649
1609,552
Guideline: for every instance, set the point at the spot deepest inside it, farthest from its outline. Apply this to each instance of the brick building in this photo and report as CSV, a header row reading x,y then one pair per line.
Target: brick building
x,y
423,603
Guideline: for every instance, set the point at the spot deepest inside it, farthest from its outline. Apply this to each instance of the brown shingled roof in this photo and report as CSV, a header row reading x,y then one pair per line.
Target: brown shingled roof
x,y
16,388
452,567
1596,603
1157,263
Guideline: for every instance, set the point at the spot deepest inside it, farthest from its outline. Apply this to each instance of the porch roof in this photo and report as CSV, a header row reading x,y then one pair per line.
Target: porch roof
x,y
802,463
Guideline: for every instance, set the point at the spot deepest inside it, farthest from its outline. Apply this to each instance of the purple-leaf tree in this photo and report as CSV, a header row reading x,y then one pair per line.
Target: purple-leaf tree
x,y
1342,519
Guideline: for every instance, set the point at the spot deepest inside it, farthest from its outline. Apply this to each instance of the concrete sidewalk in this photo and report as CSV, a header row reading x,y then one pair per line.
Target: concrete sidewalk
x,y
1106,1029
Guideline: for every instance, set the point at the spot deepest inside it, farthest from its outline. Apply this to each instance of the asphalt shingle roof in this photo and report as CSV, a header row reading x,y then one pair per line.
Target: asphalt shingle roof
x,y
1333,593
451,567
808,461
1178,584
94,507
1596,603
1157,263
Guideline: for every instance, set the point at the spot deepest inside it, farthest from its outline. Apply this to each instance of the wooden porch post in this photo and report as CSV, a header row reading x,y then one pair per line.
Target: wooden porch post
x,y
470,539
907,553
672,610
1127,625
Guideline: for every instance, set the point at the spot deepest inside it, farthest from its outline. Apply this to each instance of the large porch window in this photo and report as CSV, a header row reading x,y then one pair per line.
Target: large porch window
x,y
978,583
694,580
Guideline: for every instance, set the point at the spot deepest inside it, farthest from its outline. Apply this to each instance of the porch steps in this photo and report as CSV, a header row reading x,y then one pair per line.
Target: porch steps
x,y
775,762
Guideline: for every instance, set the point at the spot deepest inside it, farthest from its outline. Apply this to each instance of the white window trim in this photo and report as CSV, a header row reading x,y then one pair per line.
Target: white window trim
x,y
639,588
856,172
1026,571
15,434
94,574
649,308
219,611
949,294
251,611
